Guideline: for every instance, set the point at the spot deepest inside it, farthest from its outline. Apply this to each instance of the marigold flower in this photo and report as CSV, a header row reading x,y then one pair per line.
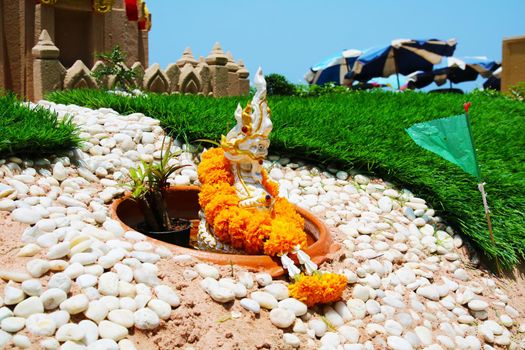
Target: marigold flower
x,y
273,232
318,288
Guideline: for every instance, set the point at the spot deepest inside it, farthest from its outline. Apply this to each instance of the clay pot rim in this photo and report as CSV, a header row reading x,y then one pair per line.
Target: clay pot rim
x,y
317,251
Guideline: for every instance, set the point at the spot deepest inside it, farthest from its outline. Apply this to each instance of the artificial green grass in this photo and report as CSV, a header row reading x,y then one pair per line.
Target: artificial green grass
x,y
366,131
33,132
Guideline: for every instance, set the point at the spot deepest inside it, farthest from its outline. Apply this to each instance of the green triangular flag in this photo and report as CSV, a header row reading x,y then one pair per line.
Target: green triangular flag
x,y
449,138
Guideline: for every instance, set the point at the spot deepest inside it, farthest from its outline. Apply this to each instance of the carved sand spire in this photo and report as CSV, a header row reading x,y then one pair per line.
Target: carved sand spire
x,y
243,72
244,82
217,56
233,77
48,72
217,61
45,48
187,58
231,65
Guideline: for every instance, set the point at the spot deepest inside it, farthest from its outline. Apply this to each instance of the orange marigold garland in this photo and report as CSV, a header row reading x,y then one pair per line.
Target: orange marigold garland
x,y
319,288
245,228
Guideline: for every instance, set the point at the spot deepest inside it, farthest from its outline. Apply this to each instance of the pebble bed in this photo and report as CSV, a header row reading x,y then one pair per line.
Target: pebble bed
x,y
91,282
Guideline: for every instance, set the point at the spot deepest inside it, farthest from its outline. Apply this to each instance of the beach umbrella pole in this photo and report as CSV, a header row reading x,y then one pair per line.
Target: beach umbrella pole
x,y
481,185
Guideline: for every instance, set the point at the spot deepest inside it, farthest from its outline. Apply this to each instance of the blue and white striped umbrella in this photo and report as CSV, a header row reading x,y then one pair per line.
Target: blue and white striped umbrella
x,y
402,56
455,70
333,69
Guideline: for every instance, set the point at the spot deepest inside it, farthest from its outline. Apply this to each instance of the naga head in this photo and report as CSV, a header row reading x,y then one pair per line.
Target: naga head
x,y
248,141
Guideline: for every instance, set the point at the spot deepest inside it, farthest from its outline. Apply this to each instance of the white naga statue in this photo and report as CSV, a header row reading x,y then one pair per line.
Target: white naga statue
x,y
246,146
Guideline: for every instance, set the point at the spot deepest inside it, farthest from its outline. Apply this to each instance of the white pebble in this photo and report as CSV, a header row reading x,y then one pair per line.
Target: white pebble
x,y
146,319
111,330
282,318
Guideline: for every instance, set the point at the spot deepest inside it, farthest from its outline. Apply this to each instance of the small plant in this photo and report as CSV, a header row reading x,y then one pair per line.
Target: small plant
x,y
149,184
277,84
114,66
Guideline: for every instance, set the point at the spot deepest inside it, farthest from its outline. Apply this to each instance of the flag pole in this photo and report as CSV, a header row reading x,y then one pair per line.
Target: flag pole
x,y
481,185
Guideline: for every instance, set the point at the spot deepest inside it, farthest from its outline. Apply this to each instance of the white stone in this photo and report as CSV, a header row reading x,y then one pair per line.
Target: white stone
x,y
71,332
52,298
278,290
49,344
292,340
350,334
104,344
32,287
13,295
108,284
83,259
86,280
122,317
318,326
5,312
406,275
25,215
478,305
357,307
250,305
332,316
161,308
126,344
61,281
29,250
41,325
473,342
265,300
385,204
221,294
297,307
263,279
58,251
60,317
21,341
12,324
246,279
29,306
37,267
7,205
76,304
146,274
429,292
91,331
424,334
167,294
330,339
393,328
398,343
128,303
96,311
146,319
282,318
111,330
205,270
59,172
361,292
506,320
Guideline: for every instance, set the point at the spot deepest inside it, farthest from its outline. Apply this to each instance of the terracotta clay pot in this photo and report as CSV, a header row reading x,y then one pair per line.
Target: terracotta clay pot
x,y
183,202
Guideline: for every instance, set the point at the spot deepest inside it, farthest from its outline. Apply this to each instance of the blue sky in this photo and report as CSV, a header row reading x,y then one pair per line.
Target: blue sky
x,y
289,36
